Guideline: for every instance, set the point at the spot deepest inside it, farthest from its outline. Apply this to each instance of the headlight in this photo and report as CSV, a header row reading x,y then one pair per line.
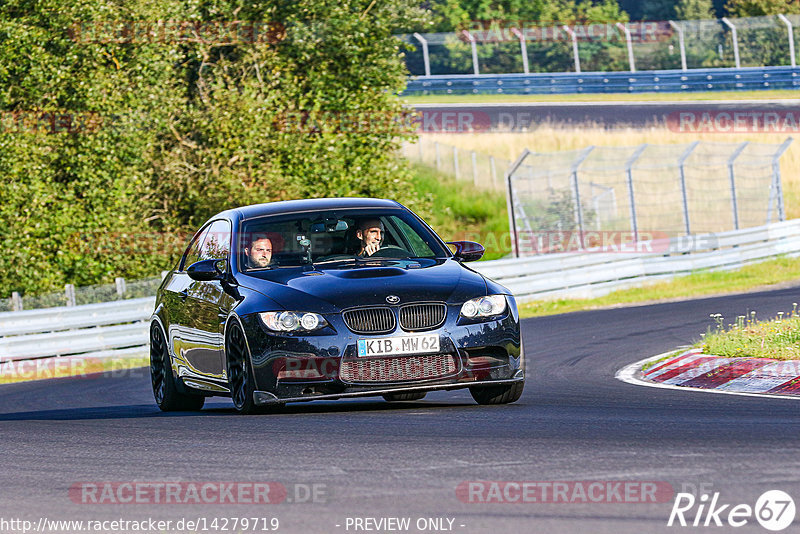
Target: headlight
x,y
289,321
484,306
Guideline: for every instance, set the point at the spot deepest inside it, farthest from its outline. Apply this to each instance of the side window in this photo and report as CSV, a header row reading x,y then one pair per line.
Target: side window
x,y
217,243
192,254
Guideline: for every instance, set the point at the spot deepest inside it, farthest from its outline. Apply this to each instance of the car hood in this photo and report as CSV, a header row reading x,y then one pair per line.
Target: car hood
x,y
330,288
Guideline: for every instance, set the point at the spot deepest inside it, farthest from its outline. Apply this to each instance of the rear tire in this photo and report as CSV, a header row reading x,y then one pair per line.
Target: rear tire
x,y
497,394
165,390
397,397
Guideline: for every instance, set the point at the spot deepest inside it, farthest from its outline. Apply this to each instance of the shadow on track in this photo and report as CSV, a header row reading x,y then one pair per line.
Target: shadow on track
x,y
140,411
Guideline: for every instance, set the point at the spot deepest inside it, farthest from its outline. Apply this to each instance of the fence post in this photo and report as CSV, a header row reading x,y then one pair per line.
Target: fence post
x,y
474,46
425,58
69,292
474,168
576,193
16,301
732,176
571,33
776,190
629,172
735,38
523,48
455,161
438,157
121,287
629,42
493,170
681,162
791,37
681,43
512,220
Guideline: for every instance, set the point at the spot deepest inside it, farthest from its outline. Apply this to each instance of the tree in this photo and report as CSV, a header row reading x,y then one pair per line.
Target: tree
x,y
694,10
758,8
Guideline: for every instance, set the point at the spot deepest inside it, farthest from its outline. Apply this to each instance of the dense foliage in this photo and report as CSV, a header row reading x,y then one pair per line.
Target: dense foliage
x,y
116,140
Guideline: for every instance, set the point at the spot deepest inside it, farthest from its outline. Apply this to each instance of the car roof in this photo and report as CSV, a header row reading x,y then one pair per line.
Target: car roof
x,y
311,204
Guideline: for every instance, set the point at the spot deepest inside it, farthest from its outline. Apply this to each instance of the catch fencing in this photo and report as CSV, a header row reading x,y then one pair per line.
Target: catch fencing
x,y
514,46
580,199
482,170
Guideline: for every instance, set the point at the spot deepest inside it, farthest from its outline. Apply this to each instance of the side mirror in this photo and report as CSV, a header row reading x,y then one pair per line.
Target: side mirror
x,y
467,250
206,270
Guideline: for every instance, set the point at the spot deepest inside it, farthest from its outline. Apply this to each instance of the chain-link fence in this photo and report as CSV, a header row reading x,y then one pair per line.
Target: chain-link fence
x,y
482,170
75,296
502,47
586,198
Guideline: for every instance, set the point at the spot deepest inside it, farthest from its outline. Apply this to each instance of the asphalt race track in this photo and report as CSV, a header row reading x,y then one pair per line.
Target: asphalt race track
x,y
521,116
575,422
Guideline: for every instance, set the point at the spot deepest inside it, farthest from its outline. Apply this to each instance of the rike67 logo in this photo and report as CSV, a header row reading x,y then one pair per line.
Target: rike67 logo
x,y
774,510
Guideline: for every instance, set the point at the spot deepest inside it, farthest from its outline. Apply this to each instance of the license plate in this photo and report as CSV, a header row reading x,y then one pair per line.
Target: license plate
x,y
392,346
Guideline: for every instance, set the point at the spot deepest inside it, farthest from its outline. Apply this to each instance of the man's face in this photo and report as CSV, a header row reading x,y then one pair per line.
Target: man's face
x,y
260,253
370,235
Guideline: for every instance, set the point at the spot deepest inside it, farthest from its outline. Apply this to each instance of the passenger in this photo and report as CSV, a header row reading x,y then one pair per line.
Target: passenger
x,y
259,253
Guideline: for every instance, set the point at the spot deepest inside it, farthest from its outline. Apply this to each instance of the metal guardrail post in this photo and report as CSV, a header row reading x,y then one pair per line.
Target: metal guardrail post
x,y
574,38
474,168
776,181
16,301
629,43
577,193
474,46
732,176
629,172
685,197
791,39
455,161
735,38
438,155
493,170
69,292
512,220
675,26
120,283
425,57
523,49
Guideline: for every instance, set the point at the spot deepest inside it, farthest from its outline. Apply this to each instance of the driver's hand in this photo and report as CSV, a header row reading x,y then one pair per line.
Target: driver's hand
x,y
372,248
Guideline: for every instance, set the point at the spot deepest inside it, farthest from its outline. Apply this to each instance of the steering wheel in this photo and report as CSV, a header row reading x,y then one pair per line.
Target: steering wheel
x,y
391,251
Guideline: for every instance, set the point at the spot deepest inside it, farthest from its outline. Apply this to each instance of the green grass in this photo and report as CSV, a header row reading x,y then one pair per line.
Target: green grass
x,y
464,212
746,336
761,275
778,94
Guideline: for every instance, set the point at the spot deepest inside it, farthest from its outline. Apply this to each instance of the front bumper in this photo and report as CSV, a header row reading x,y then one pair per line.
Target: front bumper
x,y
263,398
291,368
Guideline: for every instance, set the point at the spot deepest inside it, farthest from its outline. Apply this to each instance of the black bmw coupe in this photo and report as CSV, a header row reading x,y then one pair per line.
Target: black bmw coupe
x,y
326,299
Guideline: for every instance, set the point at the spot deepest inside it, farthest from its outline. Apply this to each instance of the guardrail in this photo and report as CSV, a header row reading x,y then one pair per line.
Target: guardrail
x,y
595,273
90,329
120,327
658,81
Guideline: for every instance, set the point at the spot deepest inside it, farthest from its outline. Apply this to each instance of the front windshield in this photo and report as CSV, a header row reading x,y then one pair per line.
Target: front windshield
x,y
350,236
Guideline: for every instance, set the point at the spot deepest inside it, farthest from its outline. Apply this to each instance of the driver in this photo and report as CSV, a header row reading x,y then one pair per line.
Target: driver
x,y
370,234
259,253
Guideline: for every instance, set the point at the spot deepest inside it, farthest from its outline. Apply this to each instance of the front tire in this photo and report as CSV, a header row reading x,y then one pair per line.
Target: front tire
x,y
240,375
165,390
497,394
397,397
